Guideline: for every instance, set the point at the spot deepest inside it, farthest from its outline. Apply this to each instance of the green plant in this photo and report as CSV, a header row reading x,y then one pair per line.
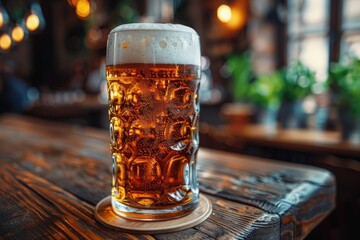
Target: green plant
x,y
298,81
241,72
344,81
266,90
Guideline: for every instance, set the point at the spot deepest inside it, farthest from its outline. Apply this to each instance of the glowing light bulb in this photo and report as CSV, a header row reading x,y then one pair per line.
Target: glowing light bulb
x,y
17,34
32,22
224,13
5,41
83,8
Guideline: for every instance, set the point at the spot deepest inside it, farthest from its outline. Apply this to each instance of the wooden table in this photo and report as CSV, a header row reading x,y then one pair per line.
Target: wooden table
x,y
306,140
52,175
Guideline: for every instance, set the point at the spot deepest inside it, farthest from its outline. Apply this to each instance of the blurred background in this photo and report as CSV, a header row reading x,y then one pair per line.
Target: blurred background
x,y
280,78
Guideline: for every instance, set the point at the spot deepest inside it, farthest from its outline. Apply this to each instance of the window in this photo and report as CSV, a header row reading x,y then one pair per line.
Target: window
x,y
322,31
350,41
308,34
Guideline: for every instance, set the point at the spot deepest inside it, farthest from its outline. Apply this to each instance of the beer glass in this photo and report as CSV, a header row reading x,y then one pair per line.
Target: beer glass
x,y
153,73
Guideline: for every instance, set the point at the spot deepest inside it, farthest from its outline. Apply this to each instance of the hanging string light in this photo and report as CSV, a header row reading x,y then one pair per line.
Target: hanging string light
x,y
32,22
18,22
35,19
17,34
83,8
224,13
5,42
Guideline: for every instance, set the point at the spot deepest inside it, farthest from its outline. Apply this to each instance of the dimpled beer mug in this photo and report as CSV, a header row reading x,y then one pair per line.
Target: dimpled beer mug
x,y
153,73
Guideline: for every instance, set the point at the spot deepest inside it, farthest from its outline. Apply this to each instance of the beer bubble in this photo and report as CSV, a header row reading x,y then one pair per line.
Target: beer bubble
x,y
163,44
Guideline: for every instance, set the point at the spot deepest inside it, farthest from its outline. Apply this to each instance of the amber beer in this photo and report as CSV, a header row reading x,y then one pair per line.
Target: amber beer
x,y
154,114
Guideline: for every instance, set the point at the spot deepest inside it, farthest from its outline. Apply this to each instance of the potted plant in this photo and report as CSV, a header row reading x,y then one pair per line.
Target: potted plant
x,y
344,83
266,92
298,83
263,92
281,90
239,66
240,111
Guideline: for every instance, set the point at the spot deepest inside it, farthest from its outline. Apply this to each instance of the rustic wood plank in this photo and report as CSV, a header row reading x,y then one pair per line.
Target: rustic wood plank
x,y
301,195
33,208
57,152
68,162
46,204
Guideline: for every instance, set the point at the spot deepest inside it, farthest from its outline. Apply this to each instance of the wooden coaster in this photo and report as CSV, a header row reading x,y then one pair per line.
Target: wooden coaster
x,y
105,215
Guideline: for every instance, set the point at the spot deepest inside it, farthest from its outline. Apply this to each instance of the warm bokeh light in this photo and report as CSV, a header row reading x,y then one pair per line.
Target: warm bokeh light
x,y
83,8
5,41
17,34
238,18
32,22
94,35
1,20
224,13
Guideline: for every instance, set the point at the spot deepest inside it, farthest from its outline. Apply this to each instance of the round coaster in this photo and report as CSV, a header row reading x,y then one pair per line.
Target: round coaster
x,y
105,215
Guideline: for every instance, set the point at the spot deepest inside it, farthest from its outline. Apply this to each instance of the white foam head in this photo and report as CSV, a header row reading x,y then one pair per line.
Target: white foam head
x,y
153,43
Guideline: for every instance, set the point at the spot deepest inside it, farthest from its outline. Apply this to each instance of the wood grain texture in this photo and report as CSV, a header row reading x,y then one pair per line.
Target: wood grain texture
x,y
40,210
301,195
33,208
65,171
